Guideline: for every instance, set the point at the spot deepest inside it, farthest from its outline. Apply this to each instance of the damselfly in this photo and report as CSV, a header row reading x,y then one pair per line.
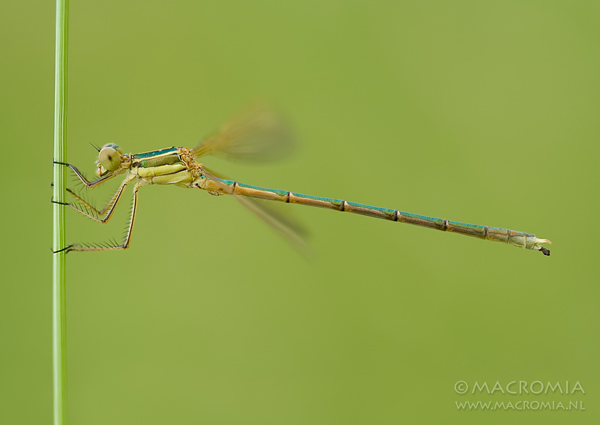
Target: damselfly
x,y
254,134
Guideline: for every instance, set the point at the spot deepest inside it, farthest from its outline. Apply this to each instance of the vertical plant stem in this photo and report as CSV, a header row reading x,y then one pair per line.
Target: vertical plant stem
x,y
59,305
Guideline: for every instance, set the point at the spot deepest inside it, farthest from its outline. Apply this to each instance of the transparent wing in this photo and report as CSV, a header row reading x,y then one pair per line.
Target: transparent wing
x,y
291,231
256,134
270,213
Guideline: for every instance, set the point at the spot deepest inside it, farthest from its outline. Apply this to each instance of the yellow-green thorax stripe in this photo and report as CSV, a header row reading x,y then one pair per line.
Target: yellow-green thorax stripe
x,y
156,158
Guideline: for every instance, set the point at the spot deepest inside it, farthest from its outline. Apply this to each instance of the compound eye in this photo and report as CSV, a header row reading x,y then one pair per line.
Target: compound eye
x,y
109,157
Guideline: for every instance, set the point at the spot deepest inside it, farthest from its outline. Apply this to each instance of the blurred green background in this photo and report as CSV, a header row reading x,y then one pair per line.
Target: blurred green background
x,y
483,112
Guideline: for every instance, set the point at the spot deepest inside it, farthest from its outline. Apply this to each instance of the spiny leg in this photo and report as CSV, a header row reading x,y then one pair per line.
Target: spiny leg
x,y
108,209
96,211
110,247
81,177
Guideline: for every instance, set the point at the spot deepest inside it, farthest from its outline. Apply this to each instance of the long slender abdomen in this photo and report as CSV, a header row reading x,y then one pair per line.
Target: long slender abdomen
x,y
498,234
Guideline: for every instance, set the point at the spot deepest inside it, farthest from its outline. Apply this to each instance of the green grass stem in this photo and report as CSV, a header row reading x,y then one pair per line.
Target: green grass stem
x,y
59,305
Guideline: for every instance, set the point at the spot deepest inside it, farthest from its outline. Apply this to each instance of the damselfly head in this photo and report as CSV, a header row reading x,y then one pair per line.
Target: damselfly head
x,y
109,159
